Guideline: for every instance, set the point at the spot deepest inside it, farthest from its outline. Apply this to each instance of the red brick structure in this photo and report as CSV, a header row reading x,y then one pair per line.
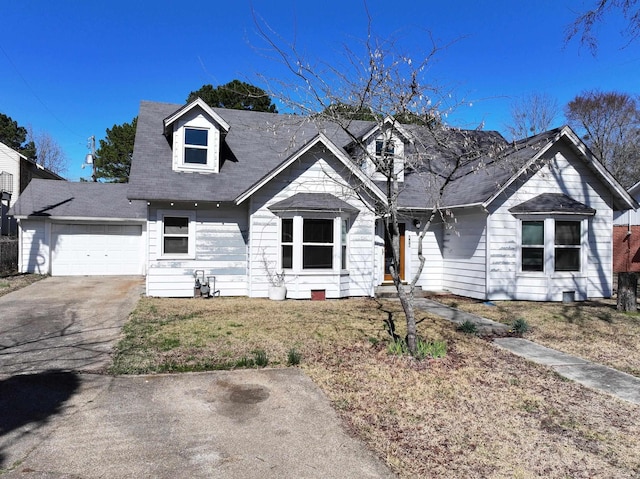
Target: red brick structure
x,y
626,249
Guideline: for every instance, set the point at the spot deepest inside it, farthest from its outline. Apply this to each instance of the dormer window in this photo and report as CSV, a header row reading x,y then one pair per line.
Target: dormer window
x,y
389,148
196,133
195,146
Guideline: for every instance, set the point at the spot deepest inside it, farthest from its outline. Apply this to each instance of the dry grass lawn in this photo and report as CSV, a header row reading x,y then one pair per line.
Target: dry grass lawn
x,y
479,412
17,281
593,330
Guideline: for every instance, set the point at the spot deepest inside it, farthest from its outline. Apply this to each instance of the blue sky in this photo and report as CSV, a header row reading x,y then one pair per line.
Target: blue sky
x,y
75,68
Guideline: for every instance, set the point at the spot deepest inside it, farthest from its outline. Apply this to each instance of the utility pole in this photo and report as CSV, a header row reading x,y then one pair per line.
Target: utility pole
x,y
90,159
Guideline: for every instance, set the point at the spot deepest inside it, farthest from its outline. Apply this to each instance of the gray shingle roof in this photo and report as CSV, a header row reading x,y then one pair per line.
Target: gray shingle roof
x,y
312,202
257,143
65,199
553,203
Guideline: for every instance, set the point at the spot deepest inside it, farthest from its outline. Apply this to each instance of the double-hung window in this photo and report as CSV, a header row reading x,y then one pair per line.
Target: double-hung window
x,y
286,242
176,234
533,246
551,242
310,244
317,243
196,142
380,145
567,246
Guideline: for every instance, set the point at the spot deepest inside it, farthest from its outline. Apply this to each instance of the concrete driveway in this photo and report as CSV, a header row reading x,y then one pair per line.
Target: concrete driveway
x,y
57,422
65,323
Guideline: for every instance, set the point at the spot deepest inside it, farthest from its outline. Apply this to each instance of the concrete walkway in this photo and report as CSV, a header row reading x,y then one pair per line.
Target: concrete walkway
x,y
592,375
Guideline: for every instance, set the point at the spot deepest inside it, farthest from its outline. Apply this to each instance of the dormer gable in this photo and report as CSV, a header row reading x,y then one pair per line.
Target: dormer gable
x,y
195,132
387,140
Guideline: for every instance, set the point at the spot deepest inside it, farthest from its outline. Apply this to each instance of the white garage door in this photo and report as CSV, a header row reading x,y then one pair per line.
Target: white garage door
x,y
99,249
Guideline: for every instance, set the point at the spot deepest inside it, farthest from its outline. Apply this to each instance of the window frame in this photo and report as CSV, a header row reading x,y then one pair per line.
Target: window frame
x,y
179,145
550,246
567,247
532,247
193,146
191,233
339,244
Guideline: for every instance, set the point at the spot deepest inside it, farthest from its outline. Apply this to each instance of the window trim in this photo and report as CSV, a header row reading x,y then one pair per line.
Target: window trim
x,y
532,246
549,252
339,245
193,146
214,139
191,235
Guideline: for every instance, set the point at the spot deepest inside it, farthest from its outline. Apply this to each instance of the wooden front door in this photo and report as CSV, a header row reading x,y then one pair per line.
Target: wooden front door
x,y
388,255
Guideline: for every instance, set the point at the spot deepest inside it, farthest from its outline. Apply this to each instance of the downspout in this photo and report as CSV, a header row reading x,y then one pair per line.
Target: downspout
x,y
487,256
249,272
628,238
20,240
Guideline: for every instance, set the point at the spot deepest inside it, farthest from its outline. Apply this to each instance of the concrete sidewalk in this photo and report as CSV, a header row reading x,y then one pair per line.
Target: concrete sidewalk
x,y
592,375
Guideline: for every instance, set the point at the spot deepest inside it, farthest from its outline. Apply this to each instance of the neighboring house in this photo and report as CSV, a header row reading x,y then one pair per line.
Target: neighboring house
x,y
626,237
16,171
243,195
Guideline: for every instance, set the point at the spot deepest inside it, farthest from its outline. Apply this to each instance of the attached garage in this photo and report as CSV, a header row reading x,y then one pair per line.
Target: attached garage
x,y
72,229
96,249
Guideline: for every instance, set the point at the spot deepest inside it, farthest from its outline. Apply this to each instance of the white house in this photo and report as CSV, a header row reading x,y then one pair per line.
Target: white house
x,y
16,171
240,196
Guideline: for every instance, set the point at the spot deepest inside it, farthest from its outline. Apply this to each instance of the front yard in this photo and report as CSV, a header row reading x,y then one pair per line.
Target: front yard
x,y
593,330
478,412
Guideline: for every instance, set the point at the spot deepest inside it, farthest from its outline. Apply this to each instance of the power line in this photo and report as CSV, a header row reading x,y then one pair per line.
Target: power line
x,y
36,95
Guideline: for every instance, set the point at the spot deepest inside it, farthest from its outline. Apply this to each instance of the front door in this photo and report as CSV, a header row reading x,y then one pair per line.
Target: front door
x,y
388,256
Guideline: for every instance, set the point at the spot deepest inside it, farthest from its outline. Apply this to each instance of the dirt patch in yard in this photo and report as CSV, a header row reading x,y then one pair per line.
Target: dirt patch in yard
x,y
14,282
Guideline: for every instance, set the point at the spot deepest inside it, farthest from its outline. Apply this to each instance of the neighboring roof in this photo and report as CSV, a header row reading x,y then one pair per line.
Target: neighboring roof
x,y
552,203
41,170
313,202
64,199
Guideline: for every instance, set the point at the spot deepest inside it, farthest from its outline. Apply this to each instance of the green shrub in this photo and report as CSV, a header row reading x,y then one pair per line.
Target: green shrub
x,y
424,349
397,347
260,358
293,357
435,349
520,326
468,327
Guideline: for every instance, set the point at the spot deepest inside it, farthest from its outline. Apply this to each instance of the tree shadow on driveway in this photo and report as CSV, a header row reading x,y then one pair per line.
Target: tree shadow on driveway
x,y
31,400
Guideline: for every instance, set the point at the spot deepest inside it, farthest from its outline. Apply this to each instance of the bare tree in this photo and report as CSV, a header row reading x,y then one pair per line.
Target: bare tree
x,y
532,114
381,84
49,154
584,24
610,125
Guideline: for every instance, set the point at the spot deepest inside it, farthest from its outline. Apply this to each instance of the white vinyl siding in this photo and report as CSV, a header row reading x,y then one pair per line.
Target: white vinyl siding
x,y
464,262
10,162
34,256
432,273
564,173
220,250
316,172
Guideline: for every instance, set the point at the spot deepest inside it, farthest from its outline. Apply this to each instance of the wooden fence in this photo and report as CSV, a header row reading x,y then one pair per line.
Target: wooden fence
x,y
8,256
